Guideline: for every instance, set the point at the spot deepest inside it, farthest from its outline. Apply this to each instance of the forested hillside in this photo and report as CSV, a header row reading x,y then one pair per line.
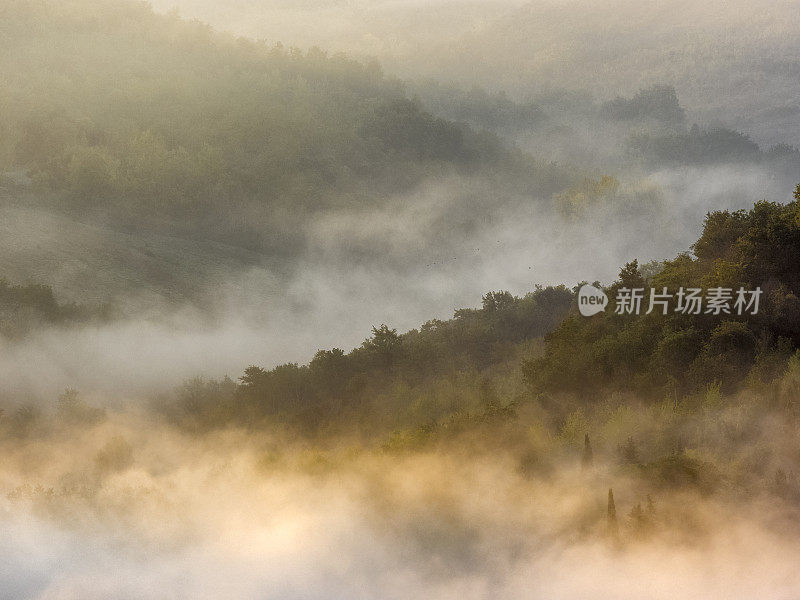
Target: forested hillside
x,y
661,354
537,351
647,130
155,122
412,378
660,406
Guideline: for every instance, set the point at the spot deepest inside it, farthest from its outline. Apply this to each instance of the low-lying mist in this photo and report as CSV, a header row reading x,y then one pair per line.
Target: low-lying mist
x,y
132,508
418,257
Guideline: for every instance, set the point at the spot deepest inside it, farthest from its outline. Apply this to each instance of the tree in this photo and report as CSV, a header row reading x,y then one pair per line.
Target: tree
x,y
797,208
638,519
586,459
611,516
252,376
627,451
630,276
383,346
498,301
329,370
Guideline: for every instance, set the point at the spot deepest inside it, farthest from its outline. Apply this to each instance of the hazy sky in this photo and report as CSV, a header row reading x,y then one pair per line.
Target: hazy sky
x,y
732,61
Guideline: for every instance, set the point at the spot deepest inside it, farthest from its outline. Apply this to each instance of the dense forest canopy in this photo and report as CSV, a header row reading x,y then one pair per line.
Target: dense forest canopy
x,y
679,353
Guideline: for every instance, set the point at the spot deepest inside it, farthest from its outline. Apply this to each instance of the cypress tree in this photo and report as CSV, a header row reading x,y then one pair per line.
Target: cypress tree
x,y
613,528
586,460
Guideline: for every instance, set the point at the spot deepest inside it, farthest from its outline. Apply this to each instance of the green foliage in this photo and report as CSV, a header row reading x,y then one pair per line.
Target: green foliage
x,y
575,427
712,398
418,438
413,379
452,375
655,353
578,199
681,470
790,383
